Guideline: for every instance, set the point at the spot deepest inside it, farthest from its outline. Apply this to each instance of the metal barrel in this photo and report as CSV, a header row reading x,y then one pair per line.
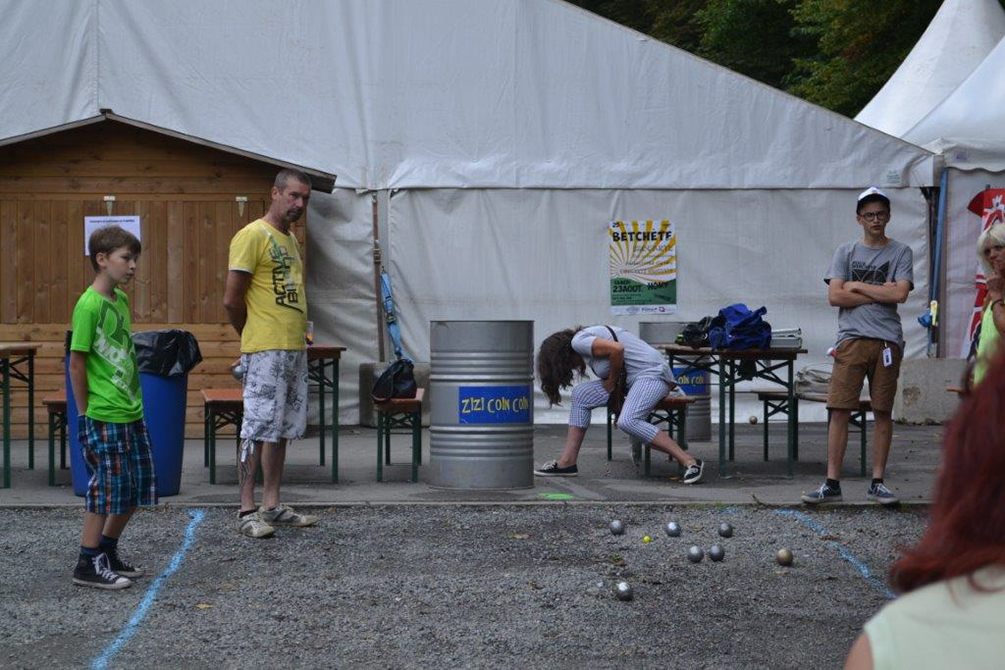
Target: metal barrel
x,y
481,424
694,383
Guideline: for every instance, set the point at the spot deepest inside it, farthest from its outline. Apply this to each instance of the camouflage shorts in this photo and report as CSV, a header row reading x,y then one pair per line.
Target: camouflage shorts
x,y
275,395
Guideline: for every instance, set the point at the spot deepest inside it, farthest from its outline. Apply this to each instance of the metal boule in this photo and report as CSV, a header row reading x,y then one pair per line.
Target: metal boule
x,y
673,529
623,591
716,553
238,372
784,557
617,527
695,554
725,530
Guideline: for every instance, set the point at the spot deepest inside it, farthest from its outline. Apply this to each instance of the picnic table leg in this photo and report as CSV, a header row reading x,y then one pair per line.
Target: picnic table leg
x,y
795,408
52,449
732,410
205,437
791,432
335,419
31,410
766,415
722,417
6,422
319,374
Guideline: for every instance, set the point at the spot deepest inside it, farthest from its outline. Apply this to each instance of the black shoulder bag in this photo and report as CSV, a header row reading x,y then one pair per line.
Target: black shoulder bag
x,y
617,398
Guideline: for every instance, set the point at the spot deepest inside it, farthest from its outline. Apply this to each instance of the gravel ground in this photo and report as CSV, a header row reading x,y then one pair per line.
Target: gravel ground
x,y
486,586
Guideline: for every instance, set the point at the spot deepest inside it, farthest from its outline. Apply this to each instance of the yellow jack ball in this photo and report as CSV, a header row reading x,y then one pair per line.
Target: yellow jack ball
x,y
647,539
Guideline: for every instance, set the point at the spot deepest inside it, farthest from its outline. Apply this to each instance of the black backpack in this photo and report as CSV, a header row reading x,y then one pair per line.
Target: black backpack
x,y
396,381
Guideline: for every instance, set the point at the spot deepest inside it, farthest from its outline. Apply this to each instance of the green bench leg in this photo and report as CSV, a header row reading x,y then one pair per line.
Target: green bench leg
x,y
609,436
416,444
380,446
62,442
52,450
211,432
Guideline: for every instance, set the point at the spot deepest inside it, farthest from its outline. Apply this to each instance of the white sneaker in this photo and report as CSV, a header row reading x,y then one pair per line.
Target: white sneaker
x,y
251,525
285,516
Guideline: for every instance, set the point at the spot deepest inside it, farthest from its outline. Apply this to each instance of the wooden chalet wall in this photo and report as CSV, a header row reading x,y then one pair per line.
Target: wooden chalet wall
x,y
185,195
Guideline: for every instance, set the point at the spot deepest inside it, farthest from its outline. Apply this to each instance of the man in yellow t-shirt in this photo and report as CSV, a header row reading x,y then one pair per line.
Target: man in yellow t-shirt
x,y
267,306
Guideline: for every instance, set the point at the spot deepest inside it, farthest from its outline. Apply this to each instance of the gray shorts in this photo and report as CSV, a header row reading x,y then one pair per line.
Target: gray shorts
x,y
275,395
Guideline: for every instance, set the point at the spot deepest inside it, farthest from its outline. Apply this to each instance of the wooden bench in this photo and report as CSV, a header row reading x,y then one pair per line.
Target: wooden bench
x,y
399,413
776,401
222,407
672,411
55,406
858,420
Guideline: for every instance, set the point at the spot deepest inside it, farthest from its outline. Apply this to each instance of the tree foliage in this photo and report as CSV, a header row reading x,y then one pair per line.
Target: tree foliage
x,y
836,53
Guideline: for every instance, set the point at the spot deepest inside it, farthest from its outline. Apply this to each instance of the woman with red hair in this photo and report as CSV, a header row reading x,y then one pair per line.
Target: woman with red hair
x,y
953,612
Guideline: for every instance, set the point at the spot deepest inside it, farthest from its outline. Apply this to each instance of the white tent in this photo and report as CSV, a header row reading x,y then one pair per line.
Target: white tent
x,y
499,138
968,128
957,40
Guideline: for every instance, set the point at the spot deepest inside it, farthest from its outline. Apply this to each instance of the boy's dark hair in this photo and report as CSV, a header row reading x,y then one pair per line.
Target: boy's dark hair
x,y
286,174
108,239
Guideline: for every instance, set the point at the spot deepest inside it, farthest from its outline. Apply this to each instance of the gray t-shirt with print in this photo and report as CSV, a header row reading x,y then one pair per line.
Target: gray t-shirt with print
x,y
854,261
640,358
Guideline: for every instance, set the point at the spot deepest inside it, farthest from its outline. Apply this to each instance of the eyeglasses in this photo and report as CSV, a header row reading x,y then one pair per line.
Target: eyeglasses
x,y
875,216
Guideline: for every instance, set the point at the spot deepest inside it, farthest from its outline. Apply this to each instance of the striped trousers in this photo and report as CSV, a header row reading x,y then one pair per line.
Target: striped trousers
x,y
639,403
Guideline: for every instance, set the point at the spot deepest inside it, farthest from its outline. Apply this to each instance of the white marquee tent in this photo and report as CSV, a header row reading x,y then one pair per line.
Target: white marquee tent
x,y
960,36
968,129
499,137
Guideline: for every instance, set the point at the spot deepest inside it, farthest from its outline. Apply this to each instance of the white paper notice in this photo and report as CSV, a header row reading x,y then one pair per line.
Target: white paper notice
x,y
92,223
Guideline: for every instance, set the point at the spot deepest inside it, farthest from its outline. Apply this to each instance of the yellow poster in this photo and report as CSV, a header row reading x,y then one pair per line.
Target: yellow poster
x,y
643,267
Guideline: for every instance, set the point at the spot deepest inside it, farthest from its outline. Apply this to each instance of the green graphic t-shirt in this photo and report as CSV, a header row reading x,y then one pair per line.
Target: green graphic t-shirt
x,y
102,329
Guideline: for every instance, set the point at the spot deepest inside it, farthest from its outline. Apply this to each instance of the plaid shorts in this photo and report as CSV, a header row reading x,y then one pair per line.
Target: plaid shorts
x,y
120,462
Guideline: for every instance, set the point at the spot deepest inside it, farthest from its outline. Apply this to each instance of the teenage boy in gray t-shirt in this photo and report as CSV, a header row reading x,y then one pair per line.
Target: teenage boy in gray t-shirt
x,y
867,279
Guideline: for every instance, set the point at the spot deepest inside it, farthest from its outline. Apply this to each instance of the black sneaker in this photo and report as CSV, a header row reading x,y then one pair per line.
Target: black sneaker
x,y
120,567
693,473
884,496
551,469
824,494
97,573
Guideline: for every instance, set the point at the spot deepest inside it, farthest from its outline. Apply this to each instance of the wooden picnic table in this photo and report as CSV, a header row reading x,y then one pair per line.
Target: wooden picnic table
x,y
12,356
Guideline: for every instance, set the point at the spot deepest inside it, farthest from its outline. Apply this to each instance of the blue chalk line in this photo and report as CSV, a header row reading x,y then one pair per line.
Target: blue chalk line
x,y
841,549
101,662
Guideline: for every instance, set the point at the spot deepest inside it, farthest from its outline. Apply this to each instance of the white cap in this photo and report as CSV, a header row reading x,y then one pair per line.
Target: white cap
x,y
872,190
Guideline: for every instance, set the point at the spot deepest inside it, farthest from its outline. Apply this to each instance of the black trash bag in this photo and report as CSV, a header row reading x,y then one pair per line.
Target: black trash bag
x,y
397,381
168,353
695,334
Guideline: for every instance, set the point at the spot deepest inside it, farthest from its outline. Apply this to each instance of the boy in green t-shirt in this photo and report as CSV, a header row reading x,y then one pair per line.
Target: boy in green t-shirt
x,y
106,387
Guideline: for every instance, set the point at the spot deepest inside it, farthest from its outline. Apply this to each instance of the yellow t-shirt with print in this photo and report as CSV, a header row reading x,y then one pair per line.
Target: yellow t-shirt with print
x,y
277,304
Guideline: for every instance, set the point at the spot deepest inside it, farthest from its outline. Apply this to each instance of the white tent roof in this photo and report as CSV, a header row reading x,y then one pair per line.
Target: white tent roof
x,y
440,93
968,127
960,36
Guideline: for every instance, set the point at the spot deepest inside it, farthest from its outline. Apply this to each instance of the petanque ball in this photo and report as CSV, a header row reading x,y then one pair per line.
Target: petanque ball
x,y
617,528
784,557
725,530
238,372
695,554
623,591
716,553
646,539
673,529
753,419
